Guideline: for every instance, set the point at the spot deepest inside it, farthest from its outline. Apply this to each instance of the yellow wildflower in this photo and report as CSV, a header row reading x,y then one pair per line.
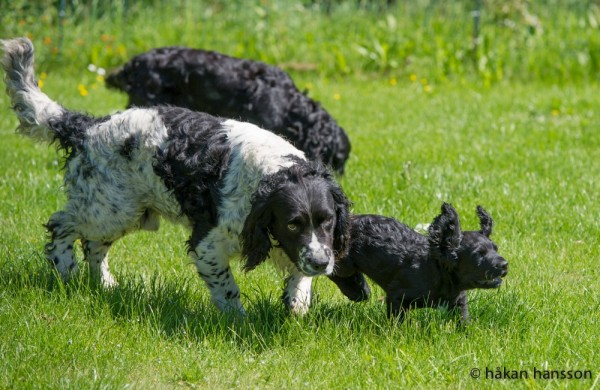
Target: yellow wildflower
x,y
47,40
427,88
337,96
555,112
82,90
413,77
393,81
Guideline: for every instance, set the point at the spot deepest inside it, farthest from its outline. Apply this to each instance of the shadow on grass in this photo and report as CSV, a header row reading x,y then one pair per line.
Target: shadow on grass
x,y
181,310
501,310
178,309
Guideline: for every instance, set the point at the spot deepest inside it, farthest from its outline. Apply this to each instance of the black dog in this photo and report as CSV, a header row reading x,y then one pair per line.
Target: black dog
x,y
418,271
235,88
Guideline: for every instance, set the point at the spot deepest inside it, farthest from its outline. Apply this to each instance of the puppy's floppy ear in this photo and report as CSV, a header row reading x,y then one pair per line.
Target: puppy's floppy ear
x,y
342,221
485,221
445,233
256,242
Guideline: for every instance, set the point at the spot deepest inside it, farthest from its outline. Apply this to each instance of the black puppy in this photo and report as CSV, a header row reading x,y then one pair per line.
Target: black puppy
x,y
416,270
236,88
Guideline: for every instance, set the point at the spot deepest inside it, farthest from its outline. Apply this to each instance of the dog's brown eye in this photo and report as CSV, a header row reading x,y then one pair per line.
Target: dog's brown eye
x,y
327,221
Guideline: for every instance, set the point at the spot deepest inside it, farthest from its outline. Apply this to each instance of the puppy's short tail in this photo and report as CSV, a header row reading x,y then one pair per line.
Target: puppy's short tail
x,y
40,117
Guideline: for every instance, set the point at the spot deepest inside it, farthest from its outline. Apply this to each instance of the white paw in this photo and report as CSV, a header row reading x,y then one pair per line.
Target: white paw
x,y
298,306
108,281
231,306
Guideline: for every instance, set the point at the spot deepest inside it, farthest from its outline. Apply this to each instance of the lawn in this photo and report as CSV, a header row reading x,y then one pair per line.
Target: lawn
x,y
526,150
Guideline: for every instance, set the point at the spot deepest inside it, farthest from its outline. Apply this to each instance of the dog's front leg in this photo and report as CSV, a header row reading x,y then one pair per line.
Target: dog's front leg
x,y
297,293
460,305
355,287
211,256
96,254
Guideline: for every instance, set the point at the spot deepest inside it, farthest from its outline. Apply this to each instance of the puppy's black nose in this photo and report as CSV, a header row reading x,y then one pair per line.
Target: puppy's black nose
x,y
503,265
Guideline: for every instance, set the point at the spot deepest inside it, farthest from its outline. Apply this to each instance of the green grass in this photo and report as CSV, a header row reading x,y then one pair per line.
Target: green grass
x,y
527,152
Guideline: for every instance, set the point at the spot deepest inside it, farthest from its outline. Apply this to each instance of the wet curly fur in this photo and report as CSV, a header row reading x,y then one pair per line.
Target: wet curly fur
x,y
235,88
240,189
416,270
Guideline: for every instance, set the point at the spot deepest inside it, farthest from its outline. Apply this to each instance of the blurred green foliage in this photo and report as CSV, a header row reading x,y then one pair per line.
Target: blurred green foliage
x,y
553,41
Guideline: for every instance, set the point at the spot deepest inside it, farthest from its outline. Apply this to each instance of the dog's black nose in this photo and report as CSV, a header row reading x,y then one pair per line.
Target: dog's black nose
x,y
503,265
318,264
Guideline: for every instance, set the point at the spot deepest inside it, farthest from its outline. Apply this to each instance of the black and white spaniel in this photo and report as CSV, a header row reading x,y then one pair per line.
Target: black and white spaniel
x,y
230,87
237,187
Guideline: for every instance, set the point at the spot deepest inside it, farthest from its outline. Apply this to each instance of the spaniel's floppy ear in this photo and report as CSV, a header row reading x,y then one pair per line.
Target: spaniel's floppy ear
x,y
341,231
485,222
445,233
256,242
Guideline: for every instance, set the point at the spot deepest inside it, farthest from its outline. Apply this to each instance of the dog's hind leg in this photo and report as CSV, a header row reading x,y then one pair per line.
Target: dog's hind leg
x,y
397,306
59,251
96,254
211,256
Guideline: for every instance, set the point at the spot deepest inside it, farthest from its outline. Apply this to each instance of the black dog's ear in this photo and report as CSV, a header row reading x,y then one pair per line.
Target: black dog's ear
x,y
485,221
341,152
341,231
445,233
255,239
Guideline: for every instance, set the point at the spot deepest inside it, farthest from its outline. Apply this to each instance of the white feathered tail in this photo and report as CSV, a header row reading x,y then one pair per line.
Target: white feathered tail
x,y
33,107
